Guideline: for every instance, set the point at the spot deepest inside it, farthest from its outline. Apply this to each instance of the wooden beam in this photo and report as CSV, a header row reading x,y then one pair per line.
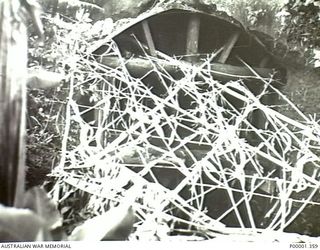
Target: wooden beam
x,y
139,67
148,35
228,47
193,37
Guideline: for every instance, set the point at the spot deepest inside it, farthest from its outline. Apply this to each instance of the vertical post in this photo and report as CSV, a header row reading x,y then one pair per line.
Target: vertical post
x,y
258,118
192,46
193,37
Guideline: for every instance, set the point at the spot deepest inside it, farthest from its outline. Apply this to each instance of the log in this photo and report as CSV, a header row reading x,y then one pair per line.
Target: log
x,y
138,67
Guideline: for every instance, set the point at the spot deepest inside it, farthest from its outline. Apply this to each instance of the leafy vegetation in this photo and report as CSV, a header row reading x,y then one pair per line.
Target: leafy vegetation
x,y
302,28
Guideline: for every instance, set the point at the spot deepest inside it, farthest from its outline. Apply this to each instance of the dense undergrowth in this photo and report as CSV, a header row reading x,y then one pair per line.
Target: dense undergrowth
x,y
108,138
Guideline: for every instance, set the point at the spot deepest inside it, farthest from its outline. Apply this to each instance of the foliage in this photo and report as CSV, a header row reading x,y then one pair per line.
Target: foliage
x,y
301,22
45,119
304,24
69,8
292,22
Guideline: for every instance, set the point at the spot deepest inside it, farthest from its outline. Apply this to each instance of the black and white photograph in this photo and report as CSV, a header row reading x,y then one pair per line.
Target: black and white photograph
x,y
170,121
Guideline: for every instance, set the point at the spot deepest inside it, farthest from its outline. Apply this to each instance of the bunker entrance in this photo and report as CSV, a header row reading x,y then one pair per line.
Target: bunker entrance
x,y
163,49
184,98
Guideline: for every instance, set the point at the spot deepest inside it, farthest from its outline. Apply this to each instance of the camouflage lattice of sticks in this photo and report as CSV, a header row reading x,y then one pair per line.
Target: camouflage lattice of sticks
x,y
183,152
